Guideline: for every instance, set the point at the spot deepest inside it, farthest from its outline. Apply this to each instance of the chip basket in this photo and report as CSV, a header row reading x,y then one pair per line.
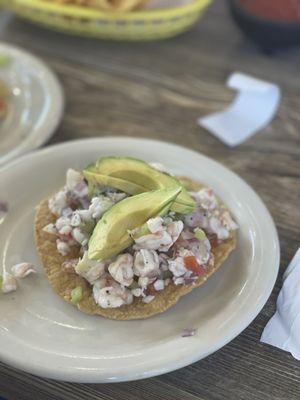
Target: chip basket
x,y
146,24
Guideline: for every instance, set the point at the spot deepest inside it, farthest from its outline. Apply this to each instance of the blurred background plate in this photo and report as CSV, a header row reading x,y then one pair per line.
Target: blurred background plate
x,y
147,24
35,103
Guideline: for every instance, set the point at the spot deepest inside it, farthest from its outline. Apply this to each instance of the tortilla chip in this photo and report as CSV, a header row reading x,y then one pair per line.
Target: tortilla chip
x,y
63,282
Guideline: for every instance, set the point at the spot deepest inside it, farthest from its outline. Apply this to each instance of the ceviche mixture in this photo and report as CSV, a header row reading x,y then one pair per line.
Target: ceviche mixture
x,y
173,249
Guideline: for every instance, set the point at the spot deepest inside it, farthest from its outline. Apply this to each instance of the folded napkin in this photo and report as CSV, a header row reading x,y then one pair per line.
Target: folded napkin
x,y
252,110
283,329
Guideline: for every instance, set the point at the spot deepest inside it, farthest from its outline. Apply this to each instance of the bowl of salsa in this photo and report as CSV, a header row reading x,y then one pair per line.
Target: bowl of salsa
x,y
272,24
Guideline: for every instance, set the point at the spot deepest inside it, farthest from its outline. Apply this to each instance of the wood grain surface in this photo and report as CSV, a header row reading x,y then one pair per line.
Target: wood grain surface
x,y
158,90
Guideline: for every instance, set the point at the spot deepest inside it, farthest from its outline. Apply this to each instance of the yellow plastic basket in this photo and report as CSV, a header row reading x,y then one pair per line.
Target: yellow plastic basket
x,y
136,25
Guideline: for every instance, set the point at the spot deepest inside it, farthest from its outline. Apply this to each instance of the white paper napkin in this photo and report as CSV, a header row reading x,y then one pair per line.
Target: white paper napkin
x,y
283,329
253,109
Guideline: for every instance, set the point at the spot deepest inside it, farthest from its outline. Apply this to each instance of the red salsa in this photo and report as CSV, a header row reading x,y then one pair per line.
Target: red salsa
x,y
276,10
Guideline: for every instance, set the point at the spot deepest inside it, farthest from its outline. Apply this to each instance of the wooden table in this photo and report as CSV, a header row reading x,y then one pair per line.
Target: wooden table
x,y
158,90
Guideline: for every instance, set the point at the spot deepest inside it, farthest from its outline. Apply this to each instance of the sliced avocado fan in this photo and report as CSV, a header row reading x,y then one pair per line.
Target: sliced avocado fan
x,y
135,176
111,236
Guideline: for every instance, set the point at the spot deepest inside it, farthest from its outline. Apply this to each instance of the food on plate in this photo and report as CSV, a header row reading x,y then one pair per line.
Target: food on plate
x,y
106,5
4,100
22,270
124,239
118,172
115,231
9,281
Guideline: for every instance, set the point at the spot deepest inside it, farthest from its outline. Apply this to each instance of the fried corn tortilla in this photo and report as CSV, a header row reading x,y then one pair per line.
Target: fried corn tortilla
x,y
63,282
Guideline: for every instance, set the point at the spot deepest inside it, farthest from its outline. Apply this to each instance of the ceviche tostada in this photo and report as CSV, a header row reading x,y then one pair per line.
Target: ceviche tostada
x,y
125,239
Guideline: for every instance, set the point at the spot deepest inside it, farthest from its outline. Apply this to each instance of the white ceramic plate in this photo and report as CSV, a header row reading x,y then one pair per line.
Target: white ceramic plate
x,y
35,106
42,334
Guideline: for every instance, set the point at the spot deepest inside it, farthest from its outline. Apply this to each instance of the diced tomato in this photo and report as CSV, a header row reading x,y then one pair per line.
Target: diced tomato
x,y
213,239
191,263
150,291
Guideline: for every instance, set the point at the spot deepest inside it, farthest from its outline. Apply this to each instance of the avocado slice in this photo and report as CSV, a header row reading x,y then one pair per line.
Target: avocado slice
x,y
94,178
135,176
111,236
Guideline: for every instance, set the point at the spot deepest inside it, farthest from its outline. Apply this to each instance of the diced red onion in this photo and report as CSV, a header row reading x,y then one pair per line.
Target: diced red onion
x,y
189,280
193,240
3,206
85,202
80,187
189,332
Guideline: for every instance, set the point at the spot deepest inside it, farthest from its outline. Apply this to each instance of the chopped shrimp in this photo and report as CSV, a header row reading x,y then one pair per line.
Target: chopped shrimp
x,y
217,222
227,220
75,184
138,292
161,237
196,219
73,178
201,249
177,266
143,282
75,219
99,205
109,294
62,247
215,226
9,283
122,269
179,281
206,198
183,252
155,224
62,222
154,241
67,212
65,230
174,229
159,284
209,215
85,215
91,270
22,270
147,299
146,263
80,236
58,202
